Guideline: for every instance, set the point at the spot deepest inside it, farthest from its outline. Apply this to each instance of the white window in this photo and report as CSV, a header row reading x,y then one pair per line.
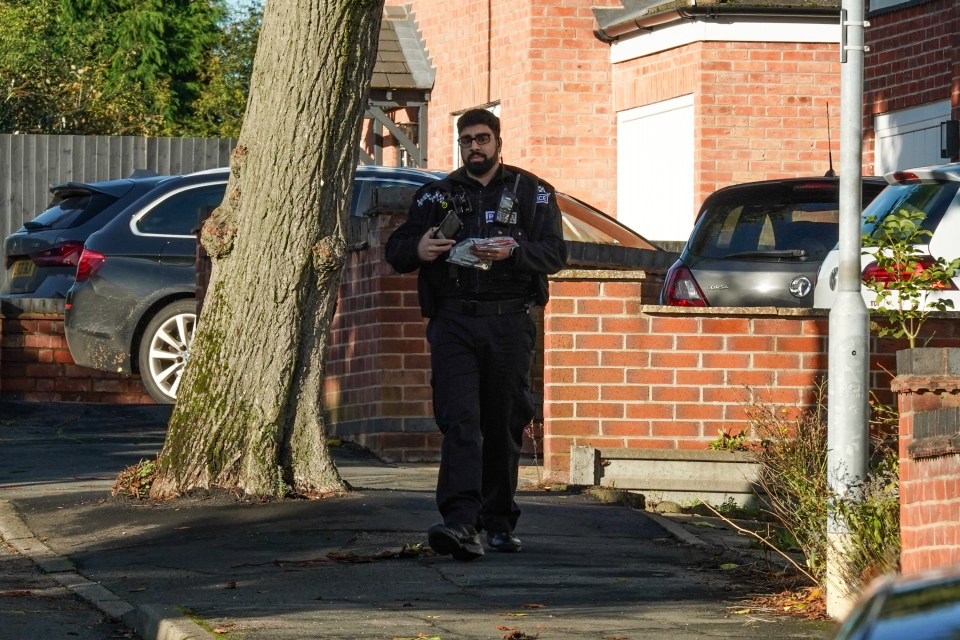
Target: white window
x,y
655,156
909,137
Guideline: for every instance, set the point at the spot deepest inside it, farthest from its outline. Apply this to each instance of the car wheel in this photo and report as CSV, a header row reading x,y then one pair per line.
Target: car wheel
x,y
165,348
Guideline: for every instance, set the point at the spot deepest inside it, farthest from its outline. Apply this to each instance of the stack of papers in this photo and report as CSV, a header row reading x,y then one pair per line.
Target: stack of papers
x,y
461,254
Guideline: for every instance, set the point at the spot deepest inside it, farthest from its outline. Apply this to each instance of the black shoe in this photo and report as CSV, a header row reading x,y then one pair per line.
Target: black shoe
x,y
460,541
504,541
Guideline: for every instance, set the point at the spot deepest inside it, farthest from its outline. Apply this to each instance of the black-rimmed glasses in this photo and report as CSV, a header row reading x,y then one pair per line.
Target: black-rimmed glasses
x,y
481,139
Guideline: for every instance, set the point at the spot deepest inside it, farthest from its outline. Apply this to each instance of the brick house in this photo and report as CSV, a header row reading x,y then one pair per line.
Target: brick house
x,y
911,83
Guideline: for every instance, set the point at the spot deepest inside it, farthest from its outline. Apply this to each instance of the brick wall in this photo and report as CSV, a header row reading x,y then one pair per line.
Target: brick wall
x,y
540,61
928,392
377,387
615,372
37,367
623,375
912,61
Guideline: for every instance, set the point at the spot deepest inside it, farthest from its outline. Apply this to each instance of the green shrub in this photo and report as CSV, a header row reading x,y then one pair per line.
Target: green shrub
x,y
731,441
794,488
904,301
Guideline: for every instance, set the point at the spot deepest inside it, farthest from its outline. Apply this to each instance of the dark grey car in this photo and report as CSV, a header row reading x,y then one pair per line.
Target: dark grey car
x,y
133,306
41,257
760,244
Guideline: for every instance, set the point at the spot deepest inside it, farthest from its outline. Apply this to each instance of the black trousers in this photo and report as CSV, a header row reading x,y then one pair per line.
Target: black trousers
x,y
482,404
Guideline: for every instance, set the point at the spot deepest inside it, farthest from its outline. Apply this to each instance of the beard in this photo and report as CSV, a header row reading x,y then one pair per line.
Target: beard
x,y
478,164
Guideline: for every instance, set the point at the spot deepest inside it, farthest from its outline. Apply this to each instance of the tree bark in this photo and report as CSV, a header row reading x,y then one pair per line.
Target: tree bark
x,y
249,415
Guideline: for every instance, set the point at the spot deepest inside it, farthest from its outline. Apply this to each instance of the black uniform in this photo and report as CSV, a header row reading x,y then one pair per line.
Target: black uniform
x,y
481,337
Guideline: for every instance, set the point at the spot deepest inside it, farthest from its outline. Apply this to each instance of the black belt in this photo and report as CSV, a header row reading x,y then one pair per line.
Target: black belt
x,y
484,307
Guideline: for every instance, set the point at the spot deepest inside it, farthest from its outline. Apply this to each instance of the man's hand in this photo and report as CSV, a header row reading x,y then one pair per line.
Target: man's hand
x,y
491,253
430,248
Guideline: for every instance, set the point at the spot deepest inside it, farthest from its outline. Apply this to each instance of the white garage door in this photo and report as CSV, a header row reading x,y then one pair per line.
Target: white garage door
x,y
655,169
910,137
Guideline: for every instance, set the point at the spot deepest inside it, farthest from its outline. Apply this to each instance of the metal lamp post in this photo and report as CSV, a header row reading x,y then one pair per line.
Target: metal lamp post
x,y
847,388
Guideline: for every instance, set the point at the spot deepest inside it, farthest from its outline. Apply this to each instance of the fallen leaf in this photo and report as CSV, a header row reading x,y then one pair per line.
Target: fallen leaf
x,y
741,612
534,605
514,615
729,566
16,593
703,523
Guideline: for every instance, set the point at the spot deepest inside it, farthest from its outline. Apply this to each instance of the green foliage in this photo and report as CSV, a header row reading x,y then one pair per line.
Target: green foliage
x,y
225,78
793,475
730,441
135,481
152,43
873,512
795,490
125,67
905,301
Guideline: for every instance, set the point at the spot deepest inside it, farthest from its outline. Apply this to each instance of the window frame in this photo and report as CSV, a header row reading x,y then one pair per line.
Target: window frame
x,y
145,212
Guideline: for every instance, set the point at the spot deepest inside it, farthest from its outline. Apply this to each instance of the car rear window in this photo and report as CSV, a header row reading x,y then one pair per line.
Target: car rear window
x,y
71,209
932,200
760,230
772,221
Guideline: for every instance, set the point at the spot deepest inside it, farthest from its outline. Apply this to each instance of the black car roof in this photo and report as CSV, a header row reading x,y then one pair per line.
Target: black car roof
x,y
810,184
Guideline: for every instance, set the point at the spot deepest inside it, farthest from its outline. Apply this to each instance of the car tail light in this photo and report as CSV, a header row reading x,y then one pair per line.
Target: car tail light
x,y
888,278
90,263
65,254
906,177
816,185
681,289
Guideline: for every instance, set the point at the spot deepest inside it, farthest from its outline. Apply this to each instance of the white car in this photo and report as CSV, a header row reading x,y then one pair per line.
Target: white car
x,y
932,191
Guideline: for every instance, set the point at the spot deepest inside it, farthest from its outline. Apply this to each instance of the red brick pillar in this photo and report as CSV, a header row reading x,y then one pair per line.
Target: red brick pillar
x,y
928,392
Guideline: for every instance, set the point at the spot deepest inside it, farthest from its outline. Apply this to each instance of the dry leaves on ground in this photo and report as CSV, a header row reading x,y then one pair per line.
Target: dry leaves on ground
x,y
808,603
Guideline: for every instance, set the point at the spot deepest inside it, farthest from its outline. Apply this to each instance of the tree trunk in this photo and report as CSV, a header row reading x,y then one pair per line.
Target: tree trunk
x,y
249,415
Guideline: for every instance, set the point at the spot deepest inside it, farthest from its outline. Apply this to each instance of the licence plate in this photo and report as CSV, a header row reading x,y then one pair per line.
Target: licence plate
x,y
22,269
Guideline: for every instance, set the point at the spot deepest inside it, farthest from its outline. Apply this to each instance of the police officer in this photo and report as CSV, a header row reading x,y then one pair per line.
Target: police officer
x,y
481,336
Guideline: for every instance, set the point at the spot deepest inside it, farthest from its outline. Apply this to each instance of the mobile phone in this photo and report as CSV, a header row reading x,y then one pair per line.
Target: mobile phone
x,y
449,227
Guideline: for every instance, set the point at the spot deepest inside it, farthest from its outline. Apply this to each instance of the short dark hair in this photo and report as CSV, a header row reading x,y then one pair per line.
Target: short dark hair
x,y
479,116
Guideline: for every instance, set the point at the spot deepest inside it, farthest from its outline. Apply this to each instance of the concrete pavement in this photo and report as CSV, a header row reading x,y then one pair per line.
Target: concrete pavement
x,y
347,567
